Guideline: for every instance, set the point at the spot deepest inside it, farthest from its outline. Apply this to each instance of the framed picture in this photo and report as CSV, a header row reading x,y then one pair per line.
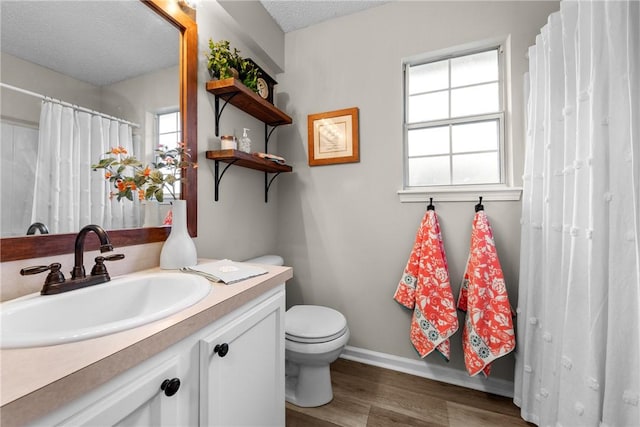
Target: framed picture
x,y
333,137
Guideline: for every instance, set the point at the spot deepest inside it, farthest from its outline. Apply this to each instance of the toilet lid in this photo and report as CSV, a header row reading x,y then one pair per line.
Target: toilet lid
x,y
313,324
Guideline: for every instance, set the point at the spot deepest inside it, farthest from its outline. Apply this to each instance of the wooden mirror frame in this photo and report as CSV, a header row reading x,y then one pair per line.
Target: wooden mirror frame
x,y
36,246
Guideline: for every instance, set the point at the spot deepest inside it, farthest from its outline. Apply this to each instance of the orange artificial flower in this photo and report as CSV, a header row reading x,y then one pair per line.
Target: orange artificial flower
x,y
147,171
140,194
107,175
119,150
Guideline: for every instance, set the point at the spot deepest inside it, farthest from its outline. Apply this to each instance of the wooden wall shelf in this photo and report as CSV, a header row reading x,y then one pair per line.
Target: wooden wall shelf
x,y
233,92
237,94
240,158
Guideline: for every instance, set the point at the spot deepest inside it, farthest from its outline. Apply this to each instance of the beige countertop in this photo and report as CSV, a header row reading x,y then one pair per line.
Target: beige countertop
x,y
35,381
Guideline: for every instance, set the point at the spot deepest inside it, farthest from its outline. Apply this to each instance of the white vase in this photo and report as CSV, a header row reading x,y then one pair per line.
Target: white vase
x,y
178,250
151,213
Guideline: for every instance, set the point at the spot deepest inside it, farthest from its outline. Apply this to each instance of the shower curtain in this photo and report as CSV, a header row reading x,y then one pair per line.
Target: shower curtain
x,y
578,348
17,151
68,193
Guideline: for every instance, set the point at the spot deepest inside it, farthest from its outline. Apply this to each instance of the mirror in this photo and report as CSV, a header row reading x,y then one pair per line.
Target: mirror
x,y
15,248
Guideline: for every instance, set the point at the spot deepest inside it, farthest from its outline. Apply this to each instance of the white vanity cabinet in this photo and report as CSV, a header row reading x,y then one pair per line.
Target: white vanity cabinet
x,y
135,398
245,387
242,369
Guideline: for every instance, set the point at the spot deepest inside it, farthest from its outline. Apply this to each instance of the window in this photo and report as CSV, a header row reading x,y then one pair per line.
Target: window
x,y
454,120
169,135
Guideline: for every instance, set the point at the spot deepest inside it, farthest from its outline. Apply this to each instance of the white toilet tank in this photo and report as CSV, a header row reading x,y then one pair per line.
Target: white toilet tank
x,y
267,259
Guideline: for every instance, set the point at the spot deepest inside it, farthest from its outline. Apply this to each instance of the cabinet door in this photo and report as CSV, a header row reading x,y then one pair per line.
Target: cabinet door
x,y
242,369
139,402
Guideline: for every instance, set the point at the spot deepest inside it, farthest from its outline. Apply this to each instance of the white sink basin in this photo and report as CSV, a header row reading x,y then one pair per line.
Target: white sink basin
x,y
124,303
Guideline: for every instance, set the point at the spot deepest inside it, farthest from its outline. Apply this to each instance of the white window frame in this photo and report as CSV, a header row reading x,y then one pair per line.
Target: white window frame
x,y
453,192
178,186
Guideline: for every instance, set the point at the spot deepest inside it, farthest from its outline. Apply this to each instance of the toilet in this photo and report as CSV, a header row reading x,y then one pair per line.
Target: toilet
x,y
315,336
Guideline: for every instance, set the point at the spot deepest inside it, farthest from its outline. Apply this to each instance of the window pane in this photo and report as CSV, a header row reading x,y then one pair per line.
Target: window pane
x,y
170,140
476,169
424,142
429,171
431,106
428,77
473,69
475,100
479,136
168,122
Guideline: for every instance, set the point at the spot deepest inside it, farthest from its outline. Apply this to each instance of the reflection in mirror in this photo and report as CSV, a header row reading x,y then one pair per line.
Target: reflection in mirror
x,y
97,94
74,89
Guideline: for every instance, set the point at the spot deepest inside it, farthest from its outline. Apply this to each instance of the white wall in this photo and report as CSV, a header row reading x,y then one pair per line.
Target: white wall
x,y
342,227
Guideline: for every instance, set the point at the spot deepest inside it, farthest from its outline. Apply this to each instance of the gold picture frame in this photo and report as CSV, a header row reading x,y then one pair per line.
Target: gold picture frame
x,y
333,137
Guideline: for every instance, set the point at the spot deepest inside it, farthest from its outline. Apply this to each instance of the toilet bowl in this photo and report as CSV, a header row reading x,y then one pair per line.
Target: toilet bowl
x,y
315,336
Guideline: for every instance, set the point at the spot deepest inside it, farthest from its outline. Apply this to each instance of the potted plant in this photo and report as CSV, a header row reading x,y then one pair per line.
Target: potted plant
x,y
222,62
249,74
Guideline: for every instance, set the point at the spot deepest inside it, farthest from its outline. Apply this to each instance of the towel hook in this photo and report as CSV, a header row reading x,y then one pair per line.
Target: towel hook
x,y
480,206
430,206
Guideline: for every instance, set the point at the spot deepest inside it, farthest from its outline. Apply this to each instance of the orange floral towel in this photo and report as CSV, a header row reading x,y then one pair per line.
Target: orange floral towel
x,y
488,328
425,288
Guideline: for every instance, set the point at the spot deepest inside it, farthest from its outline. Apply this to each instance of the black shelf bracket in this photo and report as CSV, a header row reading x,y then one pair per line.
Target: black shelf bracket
x,y
220,110
267,185
267,181
219,175
267,135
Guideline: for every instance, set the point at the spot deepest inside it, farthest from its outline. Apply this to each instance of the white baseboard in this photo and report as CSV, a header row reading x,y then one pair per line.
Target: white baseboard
x,y
422,369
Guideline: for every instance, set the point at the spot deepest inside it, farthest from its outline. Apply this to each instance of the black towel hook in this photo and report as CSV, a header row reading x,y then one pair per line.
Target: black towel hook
x,y
430,206
479,206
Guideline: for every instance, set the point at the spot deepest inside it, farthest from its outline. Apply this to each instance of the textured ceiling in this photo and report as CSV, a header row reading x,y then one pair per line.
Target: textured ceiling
x,y
103,42
99,42
292,15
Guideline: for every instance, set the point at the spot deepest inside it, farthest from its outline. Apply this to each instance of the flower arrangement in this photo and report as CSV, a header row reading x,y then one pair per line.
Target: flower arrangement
x,y
146,182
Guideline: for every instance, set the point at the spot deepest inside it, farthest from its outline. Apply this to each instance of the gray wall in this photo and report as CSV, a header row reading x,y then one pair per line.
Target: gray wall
x,y
342,227
240,225
27,75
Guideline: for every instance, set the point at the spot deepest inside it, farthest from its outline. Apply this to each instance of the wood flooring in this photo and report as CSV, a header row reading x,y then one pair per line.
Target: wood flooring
x,y
368,396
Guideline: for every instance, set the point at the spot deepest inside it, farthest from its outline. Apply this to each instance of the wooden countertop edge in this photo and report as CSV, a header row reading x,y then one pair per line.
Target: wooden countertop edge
x,y
58,393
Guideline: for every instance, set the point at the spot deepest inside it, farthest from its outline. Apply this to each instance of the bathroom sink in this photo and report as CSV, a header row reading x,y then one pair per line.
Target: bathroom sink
x,y
120,304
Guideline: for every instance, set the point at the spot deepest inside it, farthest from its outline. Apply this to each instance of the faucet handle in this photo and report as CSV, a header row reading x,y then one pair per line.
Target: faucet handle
x,y
55,276
99,267
36,269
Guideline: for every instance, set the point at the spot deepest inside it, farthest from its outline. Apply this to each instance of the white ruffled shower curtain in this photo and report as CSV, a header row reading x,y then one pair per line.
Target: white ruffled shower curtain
x,y
68,193
578,348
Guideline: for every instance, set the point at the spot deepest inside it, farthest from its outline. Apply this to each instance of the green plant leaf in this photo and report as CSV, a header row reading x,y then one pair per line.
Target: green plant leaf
x,y
159,194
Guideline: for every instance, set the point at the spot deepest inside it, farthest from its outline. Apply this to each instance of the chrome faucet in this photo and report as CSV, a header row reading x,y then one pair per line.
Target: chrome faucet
x,y
55,282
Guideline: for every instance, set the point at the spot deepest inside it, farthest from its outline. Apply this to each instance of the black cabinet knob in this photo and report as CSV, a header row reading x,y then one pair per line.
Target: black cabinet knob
x,y
170,387
221,349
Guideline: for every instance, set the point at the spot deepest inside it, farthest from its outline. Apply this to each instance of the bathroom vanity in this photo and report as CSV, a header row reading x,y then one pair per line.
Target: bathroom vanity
x,y
218,362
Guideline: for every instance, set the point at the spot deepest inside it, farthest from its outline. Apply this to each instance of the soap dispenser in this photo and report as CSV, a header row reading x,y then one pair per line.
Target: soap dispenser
x,y
245,142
